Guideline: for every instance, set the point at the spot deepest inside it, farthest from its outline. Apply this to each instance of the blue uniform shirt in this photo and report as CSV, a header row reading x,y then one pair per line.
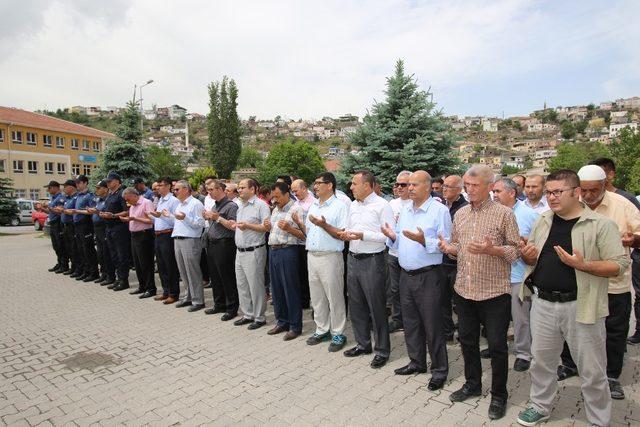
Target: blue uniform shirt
x,y
83,201
99,204
525,217
56,200
433,218
115,203
69,203
147,194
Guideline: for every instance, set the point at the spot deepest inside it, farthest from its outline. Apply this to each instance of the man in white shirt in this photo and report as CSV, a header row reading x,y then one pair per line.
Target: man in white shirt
x,y
366,268
304,200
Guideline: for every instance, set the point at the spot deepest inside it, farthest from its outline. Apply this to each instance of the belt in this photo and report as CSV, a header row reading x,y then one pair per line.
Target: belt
x,y
221,240
250,249
185,237
556,296
419,270
363,256
276,247
168,231
146,230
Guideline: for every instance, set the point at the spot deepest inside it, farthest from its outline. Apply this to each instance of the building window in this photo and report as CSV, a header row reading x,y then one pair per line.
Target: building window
x,y
2,165
1,135
62,168
32,165
34,193
86,170
59,142
85,144
48,167
18,166
96,146
46,140
16,136
75,169
74,144
20,193
31,138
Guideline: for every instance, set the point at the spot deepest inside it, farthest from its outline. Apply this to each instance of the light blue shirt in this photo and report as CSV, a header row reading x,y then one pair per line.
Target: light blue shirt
x,y
525,217
433,218
193,222
335,213
168,202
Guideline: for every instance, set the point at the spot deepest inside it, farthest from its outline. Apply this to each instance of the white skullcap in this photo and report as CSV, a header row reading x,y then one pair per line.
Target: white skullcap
x,y
591,173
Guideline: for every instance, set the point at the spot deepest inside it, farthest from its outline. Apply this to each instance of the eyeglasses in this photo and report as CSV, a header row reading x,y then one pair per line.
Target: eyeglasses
x,y
401,184
558,193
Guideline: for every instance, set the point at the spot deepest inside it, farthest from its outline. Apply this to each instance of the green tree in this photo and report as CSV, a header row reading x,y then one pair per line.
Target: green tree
x,y
508,170
126,155
223,126
249,158
403,132
573,156
567,130
292,157
199,176
8,206
163,162
625,150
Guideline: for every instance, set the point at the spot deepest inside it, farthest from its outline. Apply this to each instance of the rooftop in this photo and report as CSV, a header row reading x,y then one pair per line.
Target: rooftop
x,y
15,116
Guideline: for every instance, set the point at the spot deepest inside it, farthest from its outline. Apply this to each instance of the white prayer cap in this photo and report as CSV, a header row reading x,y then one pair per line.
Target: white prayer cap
x,y
591,173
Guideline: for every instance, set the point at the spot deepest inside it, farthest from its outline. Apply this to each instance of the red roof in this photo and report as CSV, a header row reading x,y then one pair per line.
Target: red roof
x,y
332,165
15,116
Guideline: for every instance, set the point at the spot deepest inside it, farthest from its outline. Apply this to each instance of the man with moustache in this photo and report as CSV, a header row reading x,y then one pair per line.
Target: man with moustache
x,y
304,200
107,271
534,189
84,230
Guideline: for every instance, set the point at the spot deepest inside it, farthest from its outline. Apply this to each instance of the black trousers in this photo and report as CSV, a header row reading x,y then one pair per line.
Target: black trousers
x,y
56,233
119,242
635,281
303,280
142,249
617,326
420,296
450,272
167,266
221,257
102,250
494,314
71,246
85,239
393,294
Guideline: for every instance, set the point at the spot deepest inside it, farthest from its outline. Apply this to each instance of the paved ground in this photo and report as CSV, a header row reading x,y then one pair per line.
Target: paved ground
x,y
78,353
20,229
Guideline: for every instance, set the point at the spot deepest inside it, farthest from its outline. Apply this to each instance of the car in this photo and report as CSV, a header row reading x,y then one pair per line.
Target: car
x,y
25,207
38,218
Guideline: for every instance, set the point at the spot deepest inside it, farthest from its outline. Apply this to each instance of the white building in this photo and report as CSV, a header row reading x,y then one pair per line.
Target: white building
x,y
614,129
489,125
544,154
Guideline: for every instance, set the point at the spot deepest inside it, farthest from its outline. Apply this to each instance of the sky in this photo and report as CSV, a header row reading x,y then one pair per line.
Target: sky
x,y
303,59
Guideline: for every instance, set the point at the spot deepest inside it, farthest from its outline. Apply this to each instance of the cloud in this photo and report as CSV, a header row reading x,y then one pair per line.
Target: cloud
x,y
299,59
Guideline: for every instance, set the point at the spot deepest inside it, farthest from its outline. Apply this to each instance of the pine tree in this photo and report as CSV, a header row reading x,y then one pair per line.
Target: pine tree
x,y
8,206
127,155
402,133
223,126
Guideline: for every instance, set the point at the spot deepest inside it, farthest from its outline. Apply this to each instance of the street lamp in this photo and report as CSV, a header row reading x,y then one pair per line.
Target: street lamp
x,y
141,109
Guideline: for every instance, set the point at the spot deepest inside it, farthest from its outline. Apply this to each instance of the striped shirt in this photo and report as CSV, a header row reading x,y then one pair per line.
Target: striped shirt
x,y
277,236
481,277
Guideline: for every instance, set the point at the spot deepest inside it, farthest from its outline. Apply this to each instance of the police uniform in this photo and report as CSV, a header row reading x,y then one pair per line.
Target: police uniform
x,y
56,231
69,233
84,234
118,236
107,271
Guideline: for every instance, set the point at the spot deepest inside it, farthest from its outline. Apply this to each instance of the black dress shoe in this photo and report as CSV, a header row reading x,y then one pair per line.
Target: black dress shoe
x,y
485,354
497,408
436,384
356,351
378,361
634,339
228,316
181,304
256,325
108,281
136,292
69,272
214,310
54,268
565,372
112,285
521,365
100,279
62,270
76,274
463,394
121,287
410,370
147,294
91,278
242,321
195,307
